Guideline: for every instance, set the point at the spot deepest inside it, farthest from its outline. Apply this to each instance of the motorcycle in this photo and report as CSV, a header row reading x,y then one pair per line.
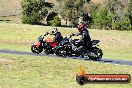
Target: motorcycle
x,y
43,44
67,47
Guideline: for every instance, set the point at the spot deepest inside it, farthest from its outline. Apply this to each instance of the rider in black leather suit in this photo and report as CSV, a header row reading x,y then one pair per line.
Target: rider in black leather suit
x,y
85,40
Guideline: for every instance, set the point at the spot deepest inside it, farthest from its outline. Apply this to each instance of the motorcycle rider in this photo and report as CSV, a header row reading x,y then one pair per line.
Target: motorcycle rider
x,y
58,37
85,40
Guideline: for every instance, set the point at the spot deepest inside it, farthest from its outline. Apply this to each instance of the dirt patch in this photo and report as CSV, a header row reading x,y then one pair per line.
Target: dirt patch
x,y
16,42
96,1
6,60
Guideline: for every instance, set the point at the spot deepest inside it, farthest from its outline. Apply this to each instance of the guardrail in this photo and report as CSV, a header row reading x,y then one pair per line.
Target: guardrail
x,y
10,12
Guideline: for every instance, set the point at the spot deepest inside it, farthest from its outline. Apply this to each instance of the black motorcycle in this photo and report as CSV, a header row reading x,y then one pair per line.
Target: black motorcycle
x,y
68,47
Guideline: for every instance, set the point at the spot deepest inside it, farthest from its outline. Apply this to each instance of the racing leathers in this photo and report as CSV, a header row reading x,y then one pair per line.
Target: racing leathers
x,y
85,40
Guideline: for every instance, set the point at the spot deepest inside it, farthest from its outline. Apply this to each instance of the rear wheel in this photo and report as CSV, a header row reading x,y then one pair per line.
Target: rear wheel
x,y
96,54
36,50
48,51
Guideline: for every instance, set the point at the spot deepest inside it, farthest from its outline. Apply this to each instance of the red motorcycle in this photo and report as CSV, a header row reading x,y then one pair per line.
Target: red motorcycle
x,y
43,44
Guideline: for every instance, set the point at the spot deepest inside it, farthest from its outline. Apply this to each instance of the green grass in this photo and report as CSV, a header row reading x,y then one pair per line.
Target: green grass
x,y
115,44
25,71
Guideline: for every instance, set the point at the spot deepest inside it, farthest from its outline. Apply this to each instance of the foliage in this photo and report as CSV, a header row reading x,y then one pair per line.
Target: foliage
x,y
101,18
56,21
71,9
112,15
50,17
34,11
129,13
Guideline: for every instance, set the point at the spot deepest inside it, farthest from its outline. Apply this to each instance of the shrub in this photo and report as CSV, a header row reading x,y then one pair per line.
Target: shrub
x,y
56,21
50,17
33,11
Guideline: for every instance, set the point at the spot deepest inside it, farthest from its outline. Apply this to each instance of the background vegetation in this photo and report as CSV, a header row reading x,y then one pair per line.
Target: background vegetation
x,y
34,11
110,14
25,71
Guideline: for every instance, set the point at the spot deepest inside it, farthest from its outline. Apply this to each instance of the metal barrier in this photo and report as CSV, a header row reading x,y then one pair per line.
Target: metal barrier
x,y
10,12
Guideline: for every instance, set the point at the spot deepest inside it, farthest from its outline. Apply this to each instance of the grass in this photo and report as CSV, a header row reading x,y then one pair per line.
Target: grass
x,y
25,71
115,44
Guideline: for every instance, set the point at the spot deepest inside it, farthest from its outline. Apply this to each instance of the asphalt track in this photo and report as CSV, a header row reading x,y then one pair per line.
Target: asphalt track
x,y
111,61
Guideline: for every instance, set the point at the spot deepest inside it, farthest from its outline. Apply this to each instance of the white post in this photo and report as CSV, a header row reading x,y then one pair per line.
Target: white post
x,y
13,12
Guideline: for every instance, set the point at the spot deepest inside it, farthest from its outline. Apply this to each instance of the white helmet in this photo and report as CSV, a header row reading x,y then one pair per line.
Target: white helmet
x,y
54,30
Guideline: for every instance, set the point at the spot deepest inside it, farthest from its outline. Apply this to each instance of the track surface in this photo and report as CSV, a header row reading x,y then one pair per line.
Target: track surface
x,y
111,61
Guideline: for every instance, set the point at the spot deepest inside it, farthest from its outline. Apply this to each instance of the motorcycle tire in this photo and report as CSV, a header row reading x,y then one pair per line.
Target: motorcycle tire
x,y
48,51
98,52
60,52
34,49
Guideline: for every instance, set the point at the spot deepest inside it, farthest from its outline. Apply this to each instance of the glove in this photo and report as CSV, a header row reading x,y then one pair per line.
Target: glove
x,y
77,34
47,33
76,42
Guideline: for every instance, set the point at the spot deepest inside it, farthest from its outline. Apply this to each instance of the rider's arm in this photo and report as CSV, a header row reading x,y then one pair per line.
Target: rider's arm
x,y
78,34
55,38
47,33
84,34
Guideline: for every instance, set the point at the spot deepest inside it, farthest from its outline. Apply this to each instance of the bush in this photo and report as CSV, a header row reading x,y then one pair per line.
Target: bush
x,y
33,11
126,24
56,21
50,17
102,19
123,25
117,26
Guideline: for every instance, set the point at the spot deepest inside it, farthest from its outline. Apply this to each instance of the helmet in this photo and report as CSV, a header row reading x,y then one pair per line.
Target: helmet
x,y
54,30
81,26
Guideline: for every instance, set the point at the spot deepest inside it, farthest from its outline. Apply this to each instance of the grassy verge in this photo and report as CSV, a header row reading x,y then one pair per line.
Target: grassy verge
x,y
115,44
24,71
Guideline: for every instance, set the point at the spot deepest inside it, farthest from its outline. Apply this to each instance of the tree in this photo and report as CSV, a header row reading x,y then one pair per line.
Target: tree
x,y
70,9
127,22
112,14
102,18
130,11
50,17
33,11
56,21
120,17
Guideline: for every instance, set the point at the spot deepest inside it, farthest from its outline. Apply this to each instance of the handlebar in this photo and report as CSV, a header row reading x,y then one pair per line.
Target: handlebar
x,y
72,35
47,33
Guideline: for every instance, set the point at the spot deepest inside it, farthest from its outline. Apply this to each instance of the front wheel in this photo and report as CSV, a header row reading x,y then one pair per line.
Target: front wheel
x,y
96,54
60,52
36,50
